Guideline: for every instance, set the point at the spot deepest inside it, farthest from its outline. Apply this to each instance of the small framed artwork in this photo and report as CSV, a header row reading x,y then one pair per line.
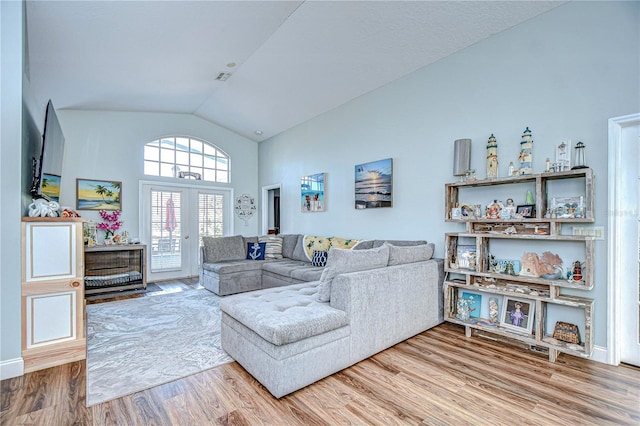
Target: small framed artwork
x,y
98,194
517,314
526,210
312,192
374,184
456,213
474,302
467,211
466,257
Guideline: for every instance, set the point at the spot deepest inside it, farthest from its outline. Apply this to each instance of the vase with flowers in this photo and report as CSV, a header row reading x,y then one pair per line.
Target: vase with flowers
x,y
110,225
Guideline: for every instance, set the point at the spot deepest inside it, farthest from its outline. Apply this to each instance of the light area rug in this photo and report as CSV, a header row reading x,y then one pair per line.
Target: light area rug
x,y
137,344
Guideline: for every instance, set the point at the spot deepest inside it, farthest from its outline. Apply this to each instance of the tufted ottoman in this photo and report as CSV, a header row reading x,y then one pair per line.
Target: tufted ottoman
x,y
284,337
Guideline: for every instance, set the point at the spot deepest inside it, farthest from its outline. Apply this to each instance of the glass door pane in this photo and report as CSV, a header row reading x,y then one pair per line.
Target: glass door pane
x,y
211,209
166,230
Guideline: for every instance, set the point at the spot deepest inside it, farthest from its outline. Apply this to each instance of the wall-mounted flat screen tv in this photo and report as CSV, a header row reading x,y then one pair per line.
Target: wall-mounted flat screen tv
x,y
47,170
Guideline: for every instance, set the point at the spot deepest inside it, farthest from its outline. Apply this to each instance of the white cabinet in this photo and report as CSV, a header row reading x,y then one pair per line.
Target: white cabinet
x,y
52,292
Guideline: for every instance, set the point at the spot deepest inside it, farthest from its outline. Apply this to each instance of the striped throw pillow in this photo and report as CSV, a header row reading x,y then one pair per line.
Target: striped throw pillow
x,y
273,248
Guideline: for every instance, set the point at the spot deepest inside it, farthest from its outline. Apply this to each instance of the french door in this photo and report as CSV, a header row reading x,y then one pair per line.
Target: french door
x,y
174,218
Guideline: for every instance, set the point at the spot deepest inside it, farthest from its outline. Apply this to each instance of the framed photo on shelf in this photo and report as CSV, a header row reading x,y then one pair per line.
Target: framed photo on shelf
x,y
456,213
526,210
474,302
467,211
466,257
517,314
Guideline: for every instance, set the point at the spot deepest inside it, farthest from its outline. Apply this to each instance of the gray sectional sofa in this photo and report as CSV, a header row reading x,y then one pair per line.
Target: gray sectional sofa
x,y
225,269
364,300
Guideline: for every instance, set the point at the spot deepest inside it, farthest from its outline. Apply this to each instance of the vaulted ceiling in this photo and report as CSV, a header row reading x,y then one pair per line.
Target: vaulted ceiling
x,y
289,61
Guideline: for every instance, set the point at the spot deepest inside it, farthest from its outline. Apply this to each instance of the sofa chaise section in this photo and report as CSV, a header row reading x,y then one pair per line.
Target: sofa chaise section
x,y
287,339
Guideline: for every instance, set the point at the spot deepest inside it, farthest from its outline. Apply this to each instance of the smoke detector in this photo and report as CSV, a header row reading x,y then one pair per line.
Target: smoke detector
x,y
223,76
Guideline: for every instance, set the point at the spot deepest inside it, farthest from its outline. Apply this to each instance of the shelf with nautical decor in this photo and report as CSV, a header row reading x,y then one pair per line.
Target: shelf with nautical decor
x,y
548,204
507,273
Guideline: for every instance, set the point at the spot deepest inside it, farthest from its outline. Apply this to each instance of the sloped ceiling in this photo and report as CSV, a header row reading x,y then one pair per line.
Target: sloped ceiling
x,y
293,60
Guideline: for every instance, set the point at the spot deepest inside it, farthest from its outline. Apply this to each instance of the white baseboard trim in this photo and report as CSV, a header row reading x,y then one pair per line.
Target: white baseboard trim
x,y
11,368
600,354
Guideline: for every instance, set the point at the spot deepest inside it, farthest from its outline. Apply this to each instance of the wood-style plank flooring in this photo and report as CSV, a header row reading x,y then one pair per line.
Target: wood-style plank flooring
x,y
438,377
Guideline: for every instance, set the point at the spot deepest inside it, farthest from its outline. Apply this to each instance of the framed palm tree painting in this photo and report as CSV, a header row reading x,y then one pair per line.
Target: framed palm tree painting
x,y
98,194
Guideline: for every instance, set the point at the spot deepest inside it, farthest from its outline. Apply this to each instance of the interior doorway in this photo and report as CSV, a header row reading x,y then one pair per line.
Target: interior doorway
x,y
624,243
271,209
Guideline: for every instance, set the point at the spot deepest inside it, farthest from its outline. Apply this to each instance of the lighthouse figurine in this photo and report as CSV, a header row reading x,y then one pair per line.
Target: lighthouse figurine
x,y
526,153
492,158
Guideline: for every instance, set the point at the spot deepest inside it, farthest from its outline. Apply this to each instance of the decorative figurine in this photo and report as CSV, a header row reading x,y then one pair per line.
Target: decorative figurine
x,y
526,153
579,160
512,169
492,158
562,157
493,310
577,271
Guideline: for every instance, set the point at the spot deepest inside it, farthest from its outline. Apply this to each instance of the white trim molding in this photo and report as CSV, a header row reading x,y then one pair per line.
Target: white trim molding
x,y
615,270
11,368
264,223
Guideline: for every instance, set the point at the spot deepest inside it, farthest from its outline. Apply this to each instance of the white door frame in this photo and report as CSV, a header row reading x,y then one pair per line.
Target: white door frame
x,y
264,225
615,273
141,214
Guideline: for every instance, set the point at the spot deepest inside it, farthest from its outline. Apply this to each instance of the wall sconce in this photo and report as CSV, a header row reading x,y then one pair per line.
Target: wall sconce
x,y
579,157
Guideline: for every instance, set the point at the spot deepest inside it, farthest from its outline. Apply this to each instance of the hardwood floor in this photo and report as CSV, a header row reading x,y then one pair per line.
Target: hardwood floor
x,y
438,377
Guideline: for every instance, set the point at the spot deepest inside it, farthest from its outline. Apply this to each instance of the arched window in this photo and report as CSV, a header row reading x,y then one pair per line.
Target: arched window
x,y
186,158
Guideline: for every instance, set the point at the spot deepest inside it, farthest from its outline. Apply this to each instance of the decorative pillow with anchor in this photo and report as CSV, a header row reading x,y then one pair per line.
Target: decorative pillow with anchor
x,y
255,251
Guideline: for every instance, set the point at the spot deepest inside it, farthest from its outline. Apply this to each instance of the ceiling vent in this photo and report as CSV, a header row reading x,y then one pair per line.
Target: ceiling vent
x,y
223,76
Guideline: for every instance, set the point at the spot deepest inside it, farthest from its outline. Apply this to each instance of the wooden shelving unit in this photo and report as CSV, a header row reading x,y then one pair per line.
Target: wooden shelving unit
x,y
481,233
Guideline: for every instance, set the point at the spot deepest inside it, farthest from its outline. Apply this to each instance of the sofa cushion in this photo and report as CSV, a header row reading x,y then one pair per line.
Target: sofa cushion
x,y
319,258
343,261
364,244
399,243
298,251
273,249
284,315
232,266
399,255
217,249
294,269
289,242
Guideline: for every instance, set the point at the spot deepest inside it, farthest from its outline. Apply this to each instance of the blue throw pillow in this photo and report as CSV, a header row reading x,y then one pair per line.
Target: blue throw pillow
x,y
255,251
319,258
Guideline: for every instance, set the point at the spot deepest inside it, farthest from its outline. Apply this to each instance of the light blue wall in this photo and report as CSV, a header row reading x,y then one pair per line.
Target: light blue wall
x,y
563,74
11,34
109,145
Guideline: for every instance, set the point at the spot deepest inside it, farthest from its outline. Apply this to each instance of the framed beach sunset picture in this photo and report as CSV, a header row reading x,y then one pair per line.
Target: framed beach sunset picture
x,y
374,184
98,194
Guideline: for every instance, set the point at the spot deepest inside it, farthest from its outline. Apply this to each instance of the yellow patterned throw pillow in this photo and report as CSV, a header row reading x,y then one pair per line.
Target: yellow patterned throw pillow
x,y
343,243
314,243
